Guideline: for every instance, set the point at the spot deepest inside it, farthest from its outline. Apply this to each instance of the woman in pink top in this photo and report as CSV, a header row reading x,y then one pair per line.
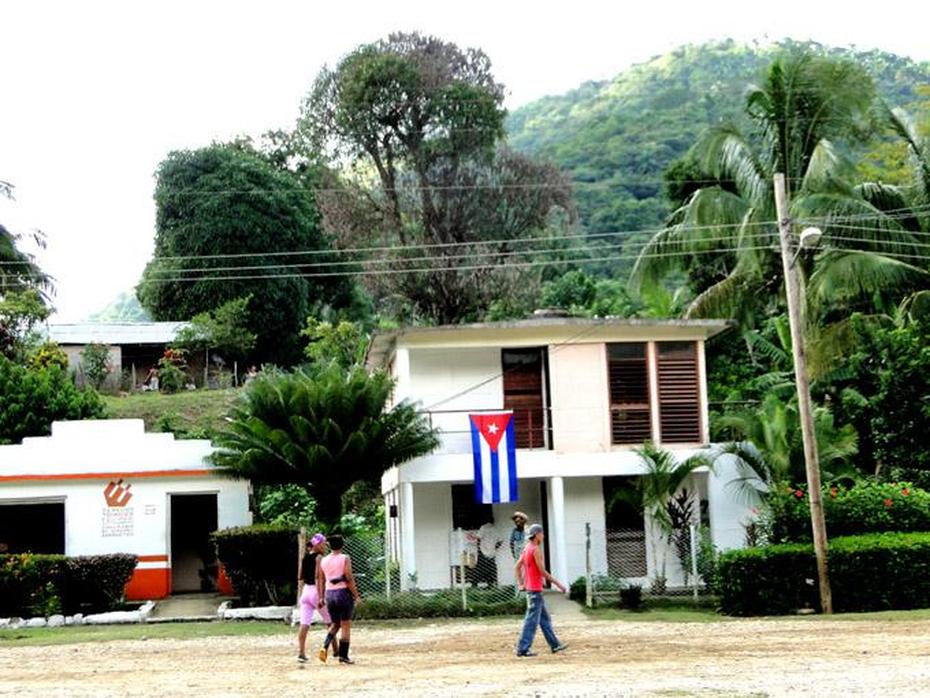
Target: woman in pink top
x,y
530,571
341,595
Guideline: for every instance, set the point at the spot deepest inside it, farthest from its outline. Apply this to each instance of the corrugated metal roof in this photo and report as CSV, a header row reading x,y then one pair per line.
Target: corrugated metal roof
x,y
114,332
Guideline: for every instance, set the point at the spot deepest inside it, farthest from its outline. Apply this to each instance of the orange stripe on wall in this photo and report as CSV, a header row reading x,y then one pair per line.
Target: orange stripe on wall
x,y
107,476
152,558
148,584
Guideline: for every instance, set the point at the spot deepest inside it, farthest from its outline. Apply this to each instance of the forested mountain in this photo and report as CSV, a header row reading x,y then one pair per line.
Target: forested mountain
x,y
616,138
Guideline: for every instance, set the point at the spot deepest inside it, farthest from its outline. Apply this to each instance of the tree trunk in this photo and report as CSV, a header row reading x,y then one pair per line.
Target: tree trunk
x,y
328,508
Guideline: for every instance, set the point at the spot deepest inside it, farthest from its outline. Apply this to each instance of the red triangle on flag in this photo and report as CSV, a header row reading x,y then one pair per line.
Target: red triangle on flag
x,y
491,426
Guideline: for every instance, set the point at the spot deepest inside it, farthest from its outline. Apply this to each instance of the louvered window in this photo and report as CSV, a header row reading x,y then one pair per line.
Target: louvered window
x,y
679,392
629,393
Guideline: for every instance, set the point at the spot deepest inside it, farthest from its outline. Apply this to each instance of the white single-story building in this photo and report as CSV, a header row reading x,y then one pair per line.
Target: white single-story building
x,y
107,486
585,393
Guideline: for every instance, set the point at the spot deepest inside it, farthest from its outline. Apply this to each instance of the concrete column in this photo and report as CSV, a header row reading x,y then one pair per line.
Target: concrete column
x,y
652,367
408,562
556,533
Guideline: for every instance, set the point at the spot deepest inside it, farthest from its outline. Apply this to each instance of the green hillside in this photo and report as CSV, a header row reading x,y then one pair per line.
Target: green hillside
x,y
616,138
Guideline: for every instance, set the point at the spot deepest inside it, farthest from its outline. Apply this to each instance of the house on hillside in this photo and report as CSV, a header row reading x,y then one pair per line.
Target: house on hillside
x,y
134,347
107,486
585,393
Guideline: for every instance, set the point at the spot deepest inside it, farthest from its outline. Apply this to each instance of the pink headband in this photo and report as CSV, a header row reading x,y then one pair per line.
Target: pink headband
x,y
317,539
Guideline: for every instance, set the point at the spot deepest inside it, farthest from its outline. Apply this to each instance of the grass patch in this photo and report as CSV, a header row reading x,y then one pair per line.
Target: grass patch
x,y
191,412
137,631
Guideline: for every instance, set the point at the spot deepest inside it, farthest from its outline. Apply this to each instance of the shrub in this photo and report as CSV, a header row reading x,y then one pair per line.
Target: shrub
x,y
47,584
32,400
172,376
446,603
95,582
95,361
261,562
48,354
866,507
867,573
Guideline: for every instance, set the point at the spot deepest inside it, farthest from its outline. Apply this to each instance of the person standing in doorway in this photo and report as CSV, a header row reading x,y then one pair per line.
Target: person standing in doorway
x,y
341,596
517,535
308,594
530,572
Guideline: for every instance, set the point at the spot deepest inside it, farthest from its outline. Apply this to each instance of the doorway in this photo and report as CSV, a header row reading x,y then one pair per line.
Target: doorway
x,y
193,559
626,528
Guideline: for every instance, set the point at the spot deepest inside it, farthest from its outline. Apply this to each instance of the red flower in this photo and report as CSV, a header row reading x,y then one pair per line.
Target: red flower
x,y
833,492
798,494
905,492
888,503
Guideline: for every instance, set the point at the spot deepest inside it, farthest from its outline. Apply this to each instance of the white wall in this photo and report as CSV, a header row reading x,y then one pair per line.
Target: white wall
x,y
730,508
432,504
438,374
580,398
584,503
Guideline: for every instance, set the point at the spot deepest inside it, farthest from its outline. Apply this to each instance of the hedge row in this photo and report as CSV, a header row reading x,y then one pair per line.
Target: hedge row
x,y
871,572
866,507
441,604
42,585
261,563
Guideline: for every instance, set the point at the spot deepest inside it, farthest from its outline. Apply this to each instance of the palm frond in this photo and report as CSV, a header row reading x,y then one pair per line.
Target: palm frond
x,y
726,153
842,276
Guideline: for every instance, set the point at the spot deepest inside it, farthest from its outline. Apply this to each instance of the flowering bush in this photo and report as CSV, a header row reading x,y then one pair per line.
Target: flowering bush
x,y
866,507
171,371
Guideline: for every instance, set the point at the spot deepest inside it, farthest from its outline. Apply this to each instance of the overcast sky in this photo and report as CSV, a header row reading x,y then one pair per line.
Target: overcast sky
x,y
93,95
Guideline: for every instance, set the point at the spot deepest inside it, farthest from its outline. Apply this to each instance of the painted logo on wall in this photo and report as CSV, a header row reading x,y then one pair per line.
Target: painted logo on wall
x,y
117,494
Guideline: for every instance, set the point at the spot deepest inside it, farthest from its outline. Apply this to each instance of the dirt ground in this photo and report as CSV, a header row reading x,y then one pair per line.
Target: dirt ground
x,y
605,658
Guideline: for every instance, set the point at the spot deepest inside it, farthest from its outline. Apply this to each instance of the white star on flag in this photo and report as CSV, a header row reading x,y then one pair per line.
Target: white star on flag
x,y
493,428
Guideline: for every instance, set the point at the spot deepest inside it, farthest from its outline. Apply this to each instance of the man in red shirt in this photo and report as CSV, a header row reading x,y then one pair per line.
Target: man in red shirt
x,y
530,571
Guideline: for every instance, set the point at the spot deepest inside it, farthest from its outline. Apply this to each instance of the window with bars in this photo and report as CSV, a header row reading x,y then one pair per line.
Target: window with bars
x,y
679,392
524,372
628,379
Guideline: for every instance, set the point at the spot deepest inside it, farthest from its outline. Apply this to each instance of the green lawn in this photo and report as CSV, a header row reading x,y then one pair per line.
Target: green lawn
x,y
683,613
183,413
105,633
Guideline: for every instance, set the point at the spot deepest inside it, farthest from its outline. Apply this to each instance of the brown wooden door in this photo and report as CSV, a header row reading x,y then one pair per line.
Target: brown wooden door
x,y
524,393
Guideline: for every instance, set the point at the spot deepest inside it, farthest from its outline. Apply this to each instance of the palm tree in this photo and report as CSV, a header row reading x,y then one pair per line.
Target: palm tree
x,y
805,106
661,480
768,448
324,431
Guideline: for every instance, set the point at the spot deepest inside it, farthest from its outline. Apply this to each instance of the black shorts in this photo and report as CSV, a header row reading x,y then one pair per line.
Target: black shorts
x,y
340,604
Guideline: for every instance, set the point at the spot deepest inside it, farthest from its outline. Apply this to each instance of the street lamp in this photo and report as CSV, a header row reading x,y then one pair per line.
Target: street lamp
x,y
810,238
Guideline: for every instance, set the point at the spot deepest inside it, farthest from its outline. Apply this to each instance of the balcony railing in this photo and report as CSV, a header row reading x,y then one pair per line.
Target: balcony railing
x,y
532,427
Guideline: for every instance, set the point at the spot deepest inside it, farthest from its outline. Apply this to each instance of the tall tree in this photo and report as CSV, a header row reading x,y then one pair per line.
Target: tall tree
x,y
18,270
324,431
420,121
224,212
802,113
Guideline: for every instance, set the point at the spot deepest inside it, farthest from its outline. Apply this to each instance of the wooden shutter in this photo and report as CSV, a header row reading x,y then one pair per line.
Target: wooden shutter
x,y
679,392
524,394
628,378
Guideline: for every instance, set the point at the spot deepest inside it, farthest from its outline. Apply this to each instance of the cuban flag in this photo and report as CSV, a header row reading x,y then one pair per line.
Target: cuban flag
x,y
494,449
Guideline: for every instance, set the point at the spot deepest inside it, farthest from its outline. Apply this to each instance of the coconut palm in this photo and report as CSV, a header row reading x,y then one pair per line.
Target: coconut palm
x,y
769,451
804,108
324,431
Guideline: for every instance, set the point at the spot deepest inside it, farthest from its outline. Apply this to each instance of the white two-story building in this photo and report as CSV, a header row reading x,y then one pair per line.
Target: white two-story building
x,y
585,394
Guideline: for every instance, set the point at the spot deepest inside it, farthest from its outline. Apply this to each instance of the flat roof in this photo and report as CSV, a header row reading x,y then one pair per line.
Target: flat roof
x,y
114,332
562,330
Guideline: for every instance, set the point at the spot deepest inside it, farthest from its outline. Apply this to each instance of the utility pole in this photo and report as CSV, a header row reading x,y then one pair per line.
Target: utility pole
x,y
811,460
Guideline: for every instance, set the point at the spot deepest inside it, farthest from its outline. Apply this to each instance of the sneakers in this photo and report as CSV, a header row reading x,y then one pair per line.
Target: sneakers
x,y
323,654
561,648
526,654
302,659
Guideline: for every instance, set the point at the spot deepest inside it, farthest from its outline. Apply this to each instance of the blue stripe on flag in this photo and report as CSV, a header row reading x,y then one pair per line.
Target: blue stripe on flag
x,y
476,457
512,461
495,477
